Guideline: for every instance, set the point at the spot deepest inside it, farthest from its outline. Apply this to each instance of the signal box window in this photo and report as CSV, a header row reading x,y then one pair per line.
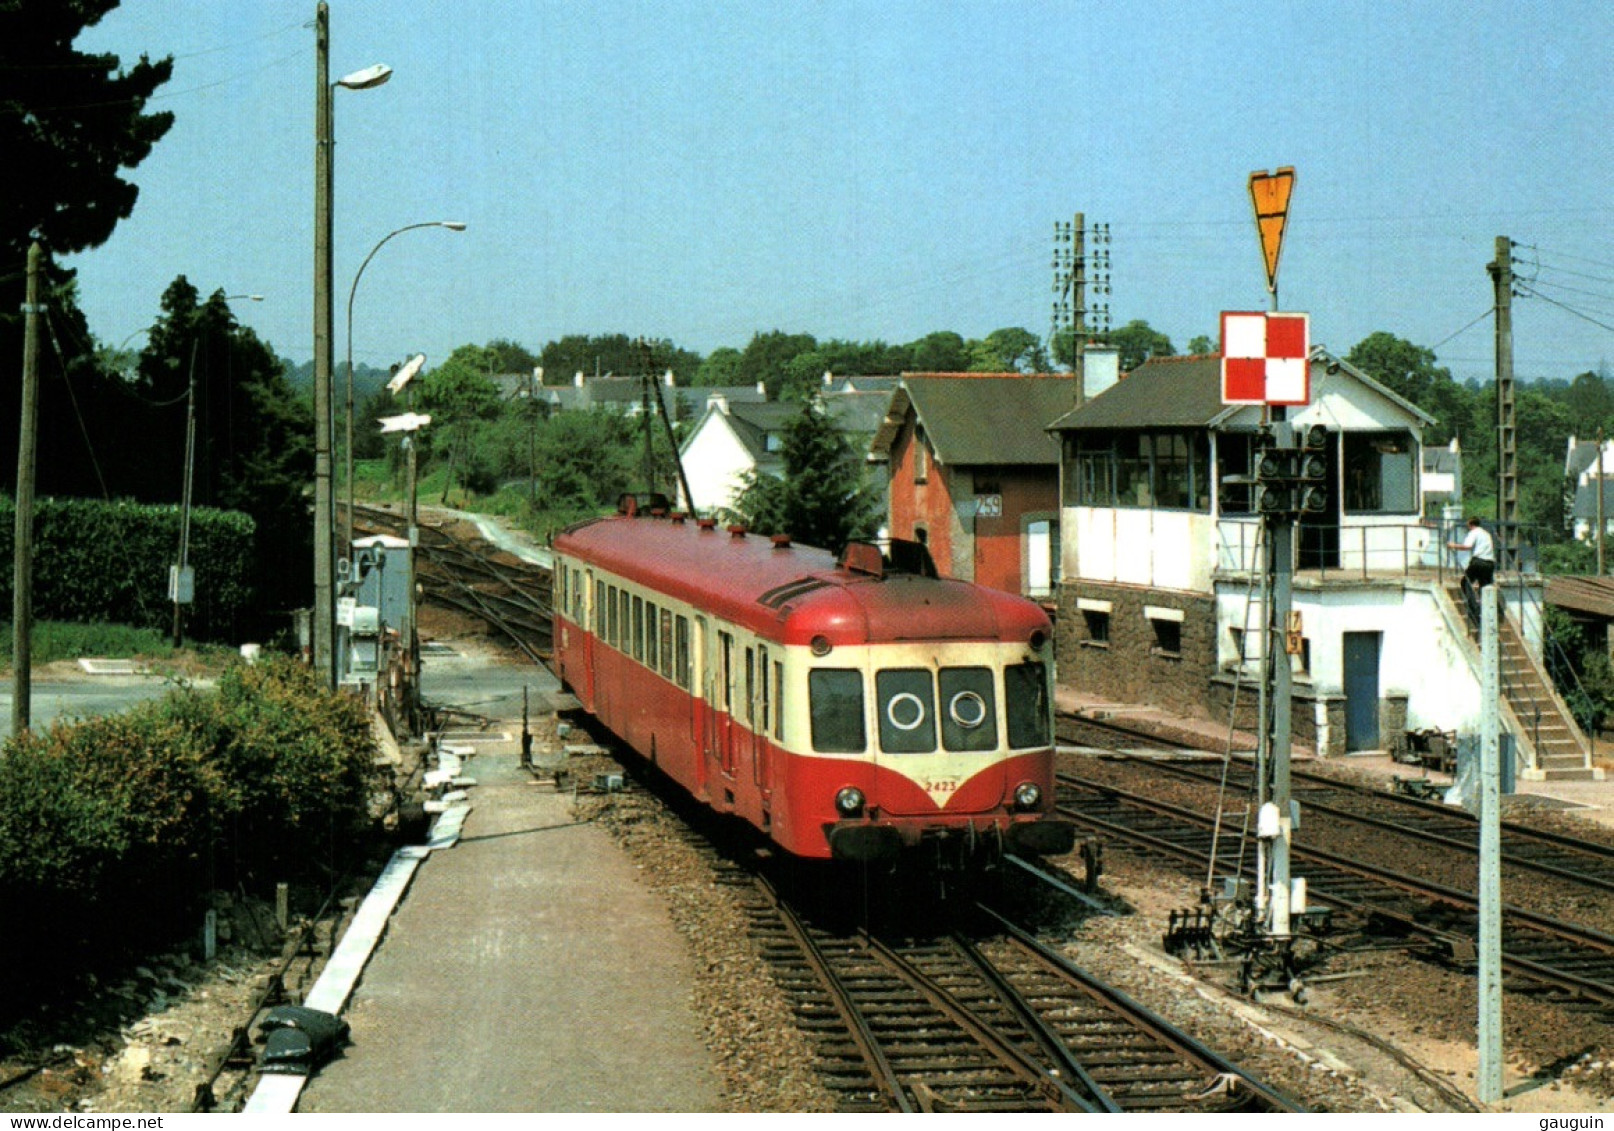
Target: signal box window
x,y
1381,472
1025,697
907,710
969,710
835,699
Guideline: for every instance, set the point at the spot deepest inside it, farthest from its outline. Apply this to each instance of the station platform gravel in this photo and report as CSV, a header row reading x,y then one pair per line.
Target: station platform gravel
x,y
526,970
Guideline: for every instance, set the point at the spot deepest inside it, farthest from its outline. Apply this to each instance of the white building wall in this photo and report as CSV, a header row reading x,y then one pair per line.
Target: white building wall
x,y
1137,546
1419,655
715,462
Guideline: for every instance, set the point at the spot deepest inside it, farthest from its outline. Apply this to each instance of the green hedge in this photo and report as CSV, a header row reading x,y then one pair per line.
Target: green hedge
x,y
114,830
100,561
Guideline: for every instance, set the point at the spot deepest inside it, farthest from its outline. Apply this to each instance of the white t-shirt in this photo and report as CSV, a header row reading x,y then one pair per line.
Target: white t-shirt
x,y
1479,544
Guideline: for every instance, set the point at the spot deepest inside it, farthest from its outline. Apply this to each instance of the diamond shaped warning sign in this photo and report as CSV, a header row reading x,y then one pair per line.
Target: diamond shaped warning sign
x,y
1264,358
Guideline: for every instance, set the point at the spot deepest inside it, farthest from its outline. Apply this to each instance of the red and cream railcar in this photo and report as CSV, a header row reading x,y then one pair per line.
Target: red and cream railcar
x,y
846,709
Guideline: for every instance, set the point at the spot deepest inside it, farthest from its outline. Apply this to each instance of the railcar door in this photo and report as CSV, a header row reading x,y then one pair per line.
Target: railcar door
x,y
726,701
762,722
580,672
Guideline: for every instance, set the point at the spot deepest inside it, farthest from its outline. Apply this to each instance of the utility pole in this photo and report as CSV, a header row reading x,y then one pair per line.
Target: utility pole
x,y
1489,1079
535,381
178,584
324,626
1507,465
1601,521
22,597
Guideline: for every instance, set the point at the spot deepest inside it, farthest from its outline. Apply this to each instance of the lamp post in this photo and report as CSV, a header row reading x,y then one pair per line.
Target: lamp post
x,y
324,626
451,225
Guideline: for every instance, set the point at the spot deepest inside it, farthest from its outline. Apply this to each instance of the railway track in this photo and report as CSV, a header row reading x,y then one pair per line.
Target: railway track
x,y
1542,956
949,1024
1582,862
476,579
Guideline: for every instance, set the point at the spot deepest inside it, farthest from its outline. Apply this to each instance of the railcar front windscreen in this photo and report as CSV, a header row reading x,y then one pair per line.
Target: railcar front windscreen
x,y
1025,690
836,702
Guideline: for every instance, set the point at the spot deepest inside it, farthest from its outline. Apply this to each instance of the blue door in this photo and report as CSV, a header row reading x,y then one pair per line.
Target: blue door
x,y
1362,691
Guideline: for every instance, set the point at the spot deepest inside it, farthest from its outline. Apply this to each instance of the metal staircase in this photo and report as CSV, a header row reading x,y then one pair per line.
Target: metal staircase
x,y
1552,745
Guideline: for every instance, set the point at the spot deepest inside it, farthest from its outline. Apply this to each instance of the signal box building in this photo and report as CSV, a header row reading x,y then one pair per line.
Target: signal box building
x,y
975,476
1162,564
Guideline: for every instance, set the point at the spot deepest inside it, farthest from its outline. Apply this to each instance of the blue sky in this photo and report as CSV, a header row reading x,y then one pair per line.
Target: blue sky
x,y
703,171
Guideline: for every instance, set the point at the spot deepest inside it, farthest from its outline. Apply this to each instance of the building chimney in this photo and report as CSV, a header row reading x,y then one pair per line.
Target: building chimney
x,y
578,380
829,378
762,388
667,379
1101,368
719,402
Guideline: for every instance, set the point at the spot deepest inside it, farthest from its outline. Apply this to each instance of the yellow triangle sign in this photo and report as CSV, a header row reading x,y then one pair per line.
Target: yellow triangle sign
x,y
1270,194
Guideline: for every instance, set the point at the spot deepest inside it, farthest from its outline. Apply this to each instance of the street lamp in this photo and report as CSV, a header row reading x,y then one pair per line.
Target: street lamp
x,y
324,626
451,225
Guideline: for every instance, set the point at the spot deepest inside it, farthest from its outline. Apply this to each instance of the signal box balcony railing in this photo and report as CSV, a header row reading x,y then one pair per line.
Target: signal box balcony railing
x,y
1356,552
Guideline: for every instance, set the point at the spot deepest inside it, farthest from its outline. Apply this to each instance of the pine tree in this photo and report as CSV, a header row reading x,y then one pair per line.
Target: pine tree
x,y
822,500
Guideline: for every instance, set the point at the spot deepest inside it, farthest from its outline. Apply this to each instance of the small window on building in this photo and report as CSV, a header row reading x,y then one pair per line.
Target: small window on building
x,y
921,535
773,442
1098,628
1167,637
921,454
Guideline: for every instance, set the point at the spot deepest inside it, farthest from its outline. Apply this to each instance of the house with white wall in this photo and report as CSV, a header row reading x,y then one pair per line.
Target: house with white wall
x,y
1160,598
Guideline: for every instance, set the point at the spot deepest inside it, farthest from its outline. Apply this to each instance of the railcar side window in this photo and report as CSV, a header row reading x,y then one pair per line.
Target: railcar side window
x,y
835,697
650,637
577,595
681,652
969,713
751,687
638,628
767,700
599,609
1025,692
907,699
778,700
623,639
610,632
667,643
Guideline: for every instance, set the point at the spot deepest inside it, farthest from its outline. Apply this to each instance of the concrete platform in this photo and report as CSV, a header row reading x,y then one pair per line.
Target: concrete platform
x,y
526,970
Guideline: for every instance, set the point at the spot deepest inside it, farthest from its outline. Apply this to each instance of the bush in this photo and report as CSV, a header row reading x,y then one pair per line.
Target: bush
x,y
113,830
101,561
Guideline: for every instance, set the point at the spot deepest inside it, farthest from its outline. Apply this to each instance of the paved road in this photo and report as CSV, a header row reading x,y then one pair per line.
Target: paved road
x,y
80,698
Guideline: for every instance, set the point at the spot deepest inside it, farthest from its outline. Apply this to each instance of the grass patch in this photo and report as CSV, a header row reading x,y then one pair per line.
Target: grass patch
x,y
65,640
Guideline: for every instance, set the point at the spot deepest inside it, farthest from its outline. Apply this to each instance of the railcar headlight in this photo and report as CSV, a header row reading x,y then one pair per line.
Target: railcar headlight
x,y
1027,794
849,801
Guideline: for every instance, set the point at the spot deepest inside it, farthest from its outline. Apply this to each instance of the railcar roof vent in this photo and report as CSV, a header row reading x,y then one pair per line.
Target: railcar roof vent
x,y
862,557
707,525
678,517
736,531
645,502
780,541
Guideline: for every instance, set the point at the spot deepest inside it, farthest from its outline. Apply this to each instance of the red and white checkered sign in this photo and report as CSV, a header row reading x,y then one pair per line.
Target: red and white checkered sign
x,y
1264,358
